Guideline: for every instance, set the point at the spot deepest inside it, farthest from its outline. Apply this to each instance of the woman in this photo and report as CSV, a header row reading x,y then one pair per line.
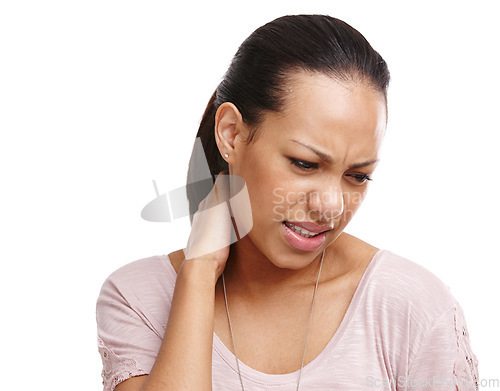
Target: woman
x,y
295,302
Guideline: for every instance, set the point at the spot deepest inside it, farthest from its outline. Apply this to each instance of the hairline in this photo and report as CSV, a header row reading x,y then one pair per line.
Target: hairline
x,y
343,76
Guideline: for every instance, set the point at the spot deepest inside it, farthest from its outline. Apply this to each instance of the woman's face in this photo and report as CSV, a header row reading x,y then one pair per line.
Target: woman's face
x,y
310,163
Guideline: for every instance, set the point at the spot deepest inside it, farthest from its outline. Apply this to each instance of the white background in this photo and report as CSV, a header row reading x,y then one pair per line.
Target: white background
x,y
98,98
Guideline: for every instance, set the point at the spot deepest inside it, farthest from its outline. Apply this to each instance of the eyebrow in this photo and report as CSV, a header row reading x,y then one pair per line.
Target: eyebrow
x,y
327,158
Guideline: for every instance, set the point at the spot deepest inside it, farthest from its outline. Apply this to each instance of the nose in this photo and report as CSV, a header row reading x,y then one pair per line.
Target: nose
x,y
327,202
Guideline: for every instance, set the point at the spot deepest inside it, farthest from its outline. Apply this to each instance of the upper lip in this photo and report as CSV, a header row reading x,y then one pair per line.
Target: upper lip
x,y
311,226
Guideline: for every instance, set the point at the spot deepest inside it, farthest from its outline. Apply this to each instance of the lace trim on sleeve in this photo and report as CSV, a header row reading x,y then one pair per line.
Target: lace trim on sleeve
x,y
116,369
465,369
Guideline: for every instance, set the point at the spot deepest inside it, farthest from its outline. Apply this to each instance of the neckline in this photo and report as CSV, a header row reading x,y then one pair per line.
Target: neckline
x,y
253,375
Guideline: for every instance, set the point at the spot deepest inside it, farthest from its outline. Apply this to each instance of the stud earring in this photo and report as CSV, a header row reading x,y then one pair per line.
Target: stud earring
x,y
226,155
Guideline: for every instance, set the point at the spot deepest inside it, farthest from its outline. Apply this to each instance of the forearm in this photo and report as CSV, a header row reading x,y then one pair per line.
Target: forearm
x,y
184,361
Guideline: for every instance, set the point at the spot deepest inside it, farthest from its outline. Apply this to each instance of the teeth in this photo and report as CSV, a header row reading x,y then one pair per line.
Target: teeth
x,y
300,231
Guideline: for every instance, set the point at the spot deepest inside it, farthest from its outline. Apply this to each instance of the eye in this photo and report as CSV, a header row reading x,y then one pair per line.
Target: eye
x,y
360,178
302,164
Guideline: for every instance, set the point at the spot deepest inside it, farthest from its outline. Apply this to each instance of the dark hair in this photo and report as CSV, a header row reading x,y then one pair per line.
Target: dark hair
x,y
257,75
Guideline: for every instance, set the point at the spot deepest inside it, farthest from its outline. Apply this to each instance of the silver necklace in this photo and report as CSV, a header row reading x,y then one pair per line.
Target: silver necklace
x,y
308,327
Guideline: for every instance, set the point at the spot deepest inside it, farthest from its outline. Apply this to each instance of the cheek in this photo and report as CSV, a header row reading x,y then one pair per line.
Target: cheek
x,y
261,190
282,201
265,179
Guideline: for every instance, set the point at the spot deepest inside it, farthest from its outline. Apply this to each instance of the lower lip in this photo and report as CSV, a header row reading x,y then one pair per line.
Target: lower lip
x,y
302,243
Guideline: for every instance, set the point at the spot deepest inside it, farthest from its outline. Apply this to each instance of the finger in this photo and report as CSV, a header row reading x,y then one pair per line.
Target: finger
x,y
222,187
241,208
219,192
211,231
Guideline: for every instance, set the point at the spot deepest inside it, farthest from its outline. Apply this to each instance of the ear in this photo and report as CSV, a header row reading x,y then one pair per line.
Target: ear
x,y
228,122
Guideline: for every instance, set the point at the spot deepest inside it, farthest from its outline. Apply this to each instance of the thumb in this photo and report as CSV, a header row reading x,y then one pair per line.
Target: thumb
x,y
221,187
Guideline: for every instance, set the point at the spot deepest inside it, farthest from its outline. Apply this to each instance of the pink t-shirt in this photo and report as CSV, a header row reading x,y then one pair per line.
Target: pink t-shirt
x,y
403,330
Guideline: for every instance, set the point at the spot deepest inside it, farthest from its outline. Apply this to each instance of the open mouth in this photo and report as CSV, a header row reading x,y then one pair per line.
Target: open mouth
x,y
301,238
301,231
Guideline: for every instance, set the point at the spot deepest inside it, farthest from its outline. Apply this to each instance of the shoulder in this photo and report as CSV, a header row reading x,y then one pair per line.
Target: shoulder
x,y
402,294
404,280
405,303
409,284
139,278
392,281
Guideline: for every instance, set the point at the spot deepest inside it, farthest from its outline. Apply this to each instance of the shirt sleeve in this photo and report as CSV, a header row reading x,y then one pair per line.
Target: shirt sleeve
x,y
117,341
131,313
445,360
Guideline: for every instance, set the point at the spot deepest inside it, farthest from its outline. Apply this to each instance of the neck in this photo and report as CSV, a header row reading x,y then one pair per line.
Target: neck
x,y
254,276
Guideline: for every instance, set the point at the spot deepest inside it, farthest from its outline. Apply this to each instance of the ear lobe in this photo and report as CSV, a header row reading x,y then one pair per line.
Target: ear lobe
x,y
227,120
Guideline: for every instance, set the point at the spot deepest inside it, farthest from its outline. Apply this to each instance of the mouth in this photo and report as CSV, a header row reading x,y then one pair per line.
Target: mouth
x,y
307,230
302,238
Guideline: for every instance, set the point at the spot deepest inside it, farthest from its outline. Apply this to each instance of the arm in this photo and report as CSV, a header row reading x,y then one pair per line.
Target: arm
x,y
136,354
185,357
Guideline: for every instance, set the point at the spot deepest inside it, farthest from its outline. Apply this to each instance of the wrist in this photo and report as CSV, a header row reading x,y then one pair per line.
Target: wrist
x,y
201,270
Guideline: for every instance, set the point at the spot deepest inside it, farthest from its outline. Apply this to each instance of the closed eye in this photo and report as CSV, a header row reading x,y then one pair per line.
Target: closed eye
x,y
308,166
360,178
304,165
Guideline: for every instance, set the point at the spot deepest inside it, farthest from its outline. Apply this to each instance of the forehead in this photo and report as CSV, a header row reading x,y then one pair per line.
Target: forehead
x,y
344,119
317,100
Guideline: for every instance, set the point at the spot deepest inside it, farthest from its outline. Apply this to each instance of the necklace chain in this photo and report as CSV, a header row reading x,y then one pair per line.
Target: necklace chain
x,y
308,326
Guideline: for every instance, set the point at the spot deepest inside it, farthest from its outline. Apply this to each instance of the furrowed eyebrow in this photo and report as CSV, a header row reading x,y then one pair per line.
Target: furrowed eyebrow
x,y
323,156
364,164
327,158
